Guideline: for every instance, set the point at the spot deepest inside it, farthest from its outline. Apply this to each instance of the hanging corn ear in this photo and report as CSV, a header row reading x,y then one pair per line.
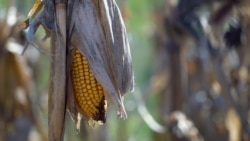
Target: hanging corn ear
x,y
94,65
98,34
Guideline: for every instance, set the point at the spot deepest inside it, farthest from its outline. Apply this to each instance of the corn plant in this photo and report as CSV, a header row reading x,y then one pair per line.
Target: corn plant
x,y
90,59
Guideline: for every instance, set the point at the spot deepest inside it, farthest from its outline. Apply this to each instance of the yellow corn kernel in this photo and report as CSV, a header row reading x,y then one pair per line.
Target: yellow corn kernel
x,y
88,92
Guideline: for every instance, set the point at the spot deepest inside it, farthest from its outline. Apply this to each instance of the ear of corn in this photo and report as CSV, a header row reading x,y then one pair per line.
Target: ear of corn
x,y
88,92
100,34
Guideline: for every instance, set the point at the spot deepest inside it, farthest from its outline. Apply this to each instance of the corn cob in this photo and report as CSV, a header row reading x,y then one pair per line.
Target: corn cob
x,y
88,92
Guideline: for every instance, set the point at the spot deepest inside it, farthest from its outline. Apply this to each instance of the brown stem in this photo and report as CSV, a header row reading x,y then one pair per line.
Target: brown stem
x,y
57,91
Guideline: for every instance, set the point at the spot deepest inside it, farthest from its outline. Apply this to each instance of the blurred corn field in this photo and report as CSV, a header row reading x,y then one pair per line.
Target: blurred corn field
x,y
191,63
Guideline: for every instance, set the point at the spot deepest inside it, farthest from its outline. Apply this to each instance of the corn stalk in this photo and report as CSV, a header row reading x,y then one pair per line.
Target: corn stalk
x,y
57,94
